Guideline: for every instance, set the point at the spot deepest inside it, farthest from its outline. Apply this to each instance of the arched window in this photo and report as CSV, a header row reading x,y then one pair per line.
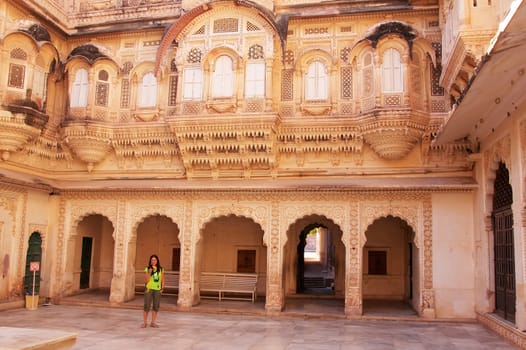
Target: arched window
x,y
316,82
255,80
193,84
79,91
223,78
392,73
148,91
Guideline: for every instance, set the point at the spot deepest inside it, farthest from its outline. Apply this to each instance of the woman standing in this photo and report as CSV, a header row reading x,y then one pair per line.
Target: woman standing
x,y
154,279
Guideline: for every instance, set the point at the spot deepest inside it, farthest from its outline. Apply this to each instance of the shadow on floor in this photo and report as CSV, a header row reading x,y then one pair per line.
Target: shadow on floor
x,y
300,305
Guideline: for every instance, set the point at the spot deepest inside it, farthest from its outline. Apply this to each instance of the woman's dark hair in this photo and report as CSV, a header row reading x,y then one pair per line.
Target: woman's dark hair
x,y
159,268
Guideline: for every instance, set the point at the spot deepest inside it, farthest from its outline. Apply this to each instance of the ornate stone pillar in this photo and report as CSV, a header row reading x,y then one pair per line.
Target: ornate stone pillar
x,y
428,292
353,290
275,294
187,278
120,258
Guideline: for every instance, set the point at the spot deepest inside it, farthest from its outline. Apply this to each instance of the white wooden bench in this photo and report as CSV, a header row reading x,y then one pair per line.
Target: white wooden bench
x,y
171,282
230,286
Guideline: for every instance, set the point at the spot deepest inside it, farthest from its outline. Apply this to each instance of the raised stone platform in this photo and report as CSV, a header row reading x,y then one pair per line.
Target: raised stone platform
x,y
14,338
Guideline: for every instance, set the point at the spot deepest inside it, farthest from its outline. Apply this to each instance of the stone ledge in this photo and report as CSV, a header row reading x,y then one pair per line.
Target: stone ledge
x,y
504,329
35,339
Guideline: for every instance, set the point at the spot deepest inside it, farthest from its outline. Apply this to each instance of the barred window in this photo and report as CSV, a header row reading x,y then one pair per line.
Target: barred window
x,y
255,80
392,72
79,91
223,77
316,82
192,83
148,91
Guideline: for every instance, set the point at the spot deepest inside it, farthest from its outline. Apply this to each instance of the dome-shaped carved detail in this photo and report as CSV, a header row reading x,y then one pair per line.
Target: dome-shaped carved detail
x,y
90,52
91,143
14,133
393,137
38,32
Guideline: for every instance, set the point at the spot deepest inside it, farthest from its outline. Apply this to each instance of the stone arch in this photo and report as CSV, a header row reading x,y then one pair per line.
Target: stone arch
x,y
209,59
417,213
225,240
410,213
21,39
390,261
161,250
392,42
499,152
259,215
188,20
291,268
78,212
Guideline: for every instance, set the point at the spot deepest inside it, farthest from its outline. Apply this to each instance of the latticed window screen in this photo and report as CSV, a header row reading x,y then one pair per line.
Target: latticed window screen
x,y
255,52
226,25
251,27
125,84
436,89
17,72
172,87
16,75
346,81
125,93
172,94
194,56
102,89
287,85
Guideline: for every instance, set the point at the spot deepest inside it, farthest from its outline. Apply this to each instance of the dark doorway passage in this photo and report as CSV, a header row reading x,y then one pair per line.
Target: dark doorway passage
x,y
85,262
315,262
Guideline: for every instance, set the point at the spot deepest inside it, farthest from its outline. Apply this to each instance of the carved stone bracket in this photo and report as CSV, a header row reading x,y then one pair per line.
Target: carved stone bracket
x,y
392,135
15,132
90,142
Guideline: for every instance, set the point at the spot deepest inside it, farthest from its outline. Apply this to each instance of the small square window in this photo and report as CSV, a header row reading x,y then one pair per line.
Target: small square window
x,y
246,261
377,262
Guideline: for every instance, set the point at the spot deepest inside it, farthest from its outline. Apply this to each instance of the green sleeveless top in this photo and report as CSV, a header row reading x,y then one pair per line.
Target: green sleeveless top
x,y
155,280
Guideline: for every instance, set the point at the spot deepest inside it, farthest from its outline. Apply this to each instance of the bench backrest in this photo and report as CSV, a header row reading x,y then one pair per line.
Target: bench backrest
x,y
210,280
171,279
241,281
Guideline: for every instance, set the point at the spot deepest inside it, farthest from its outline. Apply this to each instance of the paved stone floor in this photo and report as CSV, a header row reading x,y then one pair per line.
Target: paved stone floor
x,y
106,328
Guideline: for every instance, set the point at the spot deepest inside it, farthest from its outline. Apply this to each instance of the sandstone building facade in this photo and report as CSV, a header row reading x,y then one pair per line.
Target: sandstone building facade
x,y
376,146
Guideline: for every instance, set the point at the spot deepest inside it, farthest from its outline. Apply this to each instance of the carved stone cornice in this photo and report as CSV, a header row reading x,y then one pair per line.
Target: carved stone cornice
x,y
15,132
91,142
234,145
311,136
472,43
392,134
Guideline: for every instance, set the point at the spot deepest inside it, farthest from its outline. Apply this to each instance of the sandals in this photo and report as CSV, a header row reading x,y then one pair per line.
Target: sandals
x,y
144,325
154,325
